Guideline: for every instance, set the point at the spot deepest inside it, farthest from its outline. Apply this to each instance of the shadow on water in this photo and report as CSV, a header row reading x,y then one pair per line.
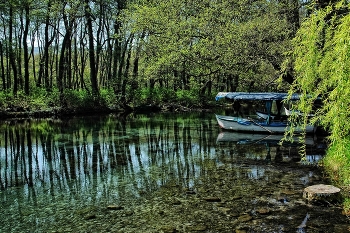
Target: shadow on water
x,y
155,173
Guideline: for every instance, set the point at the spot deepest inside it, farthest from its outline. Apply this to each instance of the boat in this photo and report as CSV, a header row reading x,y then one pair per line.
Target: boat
x,y
250,125
267,125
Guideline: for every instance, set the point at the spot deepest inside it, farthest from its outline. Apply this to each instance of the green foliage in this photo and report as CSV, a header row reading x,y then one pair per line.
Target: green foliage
x,y
78,99
153,96
322,65
208,39
5,98
108,98
39,100
167,96
188,97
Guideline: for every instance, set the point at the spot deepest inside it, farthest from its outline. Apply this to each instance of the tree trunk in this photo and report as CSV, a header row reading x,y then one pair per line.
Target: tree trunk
x,y
93,74
2,67
46,50
25,50
62,63
116,57
126,71
12,56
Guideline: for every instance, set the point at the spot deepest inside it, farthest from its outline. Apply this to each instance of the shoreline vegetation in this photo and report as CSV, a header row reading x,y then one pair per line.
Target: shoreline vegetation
x,y
80,103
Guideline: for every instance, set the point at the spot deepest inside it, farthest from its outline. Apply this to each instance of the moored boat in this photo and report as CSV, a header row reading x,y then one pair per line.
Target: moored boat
x,y
269,124
251,125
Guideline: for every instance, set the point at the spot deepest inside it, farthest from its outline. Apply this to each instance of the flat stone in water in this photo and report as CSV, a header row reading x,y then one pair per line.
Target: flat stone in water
x,y
321,192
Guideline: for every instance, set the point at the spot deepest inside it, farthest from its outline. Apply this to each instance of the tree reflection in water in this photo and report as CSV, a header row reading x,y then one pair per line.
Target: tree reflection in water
x,y
73,155
60,166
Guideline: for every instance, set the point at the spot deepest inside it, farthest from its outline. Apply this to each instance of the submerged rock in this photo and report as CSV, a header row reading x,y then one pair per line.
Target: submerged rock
x,y
245,218
115,207
212,199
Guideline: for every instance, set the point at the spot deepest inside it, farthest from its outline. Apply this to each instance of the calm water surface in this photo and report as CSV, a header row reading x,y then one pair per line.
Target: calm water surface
x,y
156,173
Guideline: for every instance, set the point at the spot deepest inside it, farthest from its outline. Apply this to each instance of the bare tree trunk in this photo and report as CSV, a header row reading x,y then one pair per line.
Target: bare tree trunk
x,y
116,57
25,50
32,52
46,49
12,56
93,74
2,67
126,71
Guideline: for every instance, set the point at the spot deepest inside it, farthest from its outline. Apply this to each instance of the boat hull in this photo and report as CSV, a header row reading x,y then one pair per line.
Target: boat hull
x,y
247,125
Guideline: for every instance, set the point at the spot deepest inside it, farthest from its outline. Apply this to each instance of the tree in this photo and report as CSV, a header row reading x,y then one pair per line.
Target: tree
x,y
194,43
321,57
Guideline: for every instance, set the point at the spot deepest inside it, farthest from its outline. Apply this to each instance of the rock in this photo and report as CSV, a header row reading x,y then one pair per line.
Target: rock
x,y
168,229
240,231
225,210
288,192
176,202
89,216
212,199
263,210
322,192
199,227
115,207
190,192
341,228
245,218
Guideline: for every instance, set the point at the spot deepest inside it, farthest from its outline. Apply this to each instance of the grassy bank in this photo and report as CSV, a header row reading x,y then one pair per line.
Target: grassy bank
x,y
337,165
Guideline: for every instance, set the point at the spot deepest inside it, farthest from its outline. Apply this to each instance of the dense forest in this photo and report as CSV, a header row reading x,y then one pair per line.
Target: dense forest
x,y
118,53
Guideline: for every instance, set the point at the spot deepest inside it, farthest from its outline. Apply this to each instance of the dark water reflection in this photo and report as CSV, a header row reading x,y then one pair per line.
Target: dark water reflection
x,y
153,174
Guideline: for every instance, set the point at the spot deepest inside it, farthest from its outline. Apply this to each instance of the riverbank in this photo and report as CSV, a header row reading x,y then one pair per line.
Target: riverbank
x,y
57,112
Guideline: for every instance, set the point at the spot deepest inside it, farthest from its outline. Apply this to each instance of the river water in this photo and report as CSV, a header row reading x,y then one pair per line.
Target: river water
x,y
156,173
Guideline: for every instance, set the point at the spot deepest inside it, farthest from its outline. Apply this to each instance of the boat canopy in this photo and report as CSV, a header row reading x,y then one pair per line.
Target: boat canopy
x,y
268,96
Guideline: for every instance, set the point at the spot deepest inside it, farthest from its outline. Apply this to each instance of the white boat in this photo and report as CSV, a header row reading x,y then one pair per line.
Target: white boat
x,y
251,125
261,126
